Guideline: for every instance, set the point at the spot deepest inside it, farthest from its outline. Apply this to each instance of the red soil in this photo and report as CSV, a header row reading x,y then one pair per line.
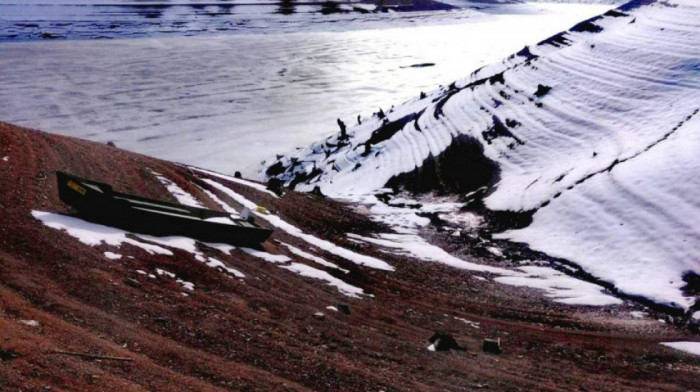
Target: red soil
x,y
259,333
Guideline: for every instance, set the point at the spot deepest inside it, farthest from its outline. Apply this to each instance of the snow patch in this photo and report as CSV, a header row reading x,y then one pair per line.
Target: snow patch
x,y
163,272
277,259
189,286
93,234
310,257
561,287
182,196
240,181
112,255
217,264
293,230
413,245
688,347
311,272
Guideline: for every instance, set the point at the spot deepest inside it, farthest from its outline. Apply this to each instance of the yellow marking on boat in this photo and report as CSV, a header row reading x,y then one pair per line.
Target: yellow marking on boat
x,y
76,187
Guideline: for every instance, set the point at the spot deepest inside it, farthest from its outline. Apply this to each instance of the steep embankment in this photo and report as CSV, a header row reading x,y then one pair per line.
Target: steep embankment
x,y
592,133
208,317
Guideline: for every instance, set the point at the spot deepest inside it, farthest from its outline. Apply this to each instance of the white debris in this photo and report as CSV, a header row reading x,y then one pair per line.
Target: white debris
x,y
6,158
472,324
189,286
495,251
431,347
112,255
141,272
332,308
638,314
29,323
162,272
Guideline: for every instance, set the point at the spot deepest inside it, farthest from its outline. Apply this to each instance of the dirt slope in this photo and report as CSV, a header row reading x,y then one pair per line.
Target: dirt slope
x,y
259,333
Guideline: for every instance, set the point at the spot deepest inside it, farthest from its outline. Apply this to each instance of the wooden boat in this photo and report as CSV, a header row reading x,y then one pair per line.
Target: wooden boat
x,y
99,203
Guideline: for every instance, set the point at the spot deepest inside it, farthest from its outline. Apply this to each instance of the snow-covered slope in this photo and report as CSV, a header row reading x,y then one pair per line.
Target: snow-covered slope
x,y
593,130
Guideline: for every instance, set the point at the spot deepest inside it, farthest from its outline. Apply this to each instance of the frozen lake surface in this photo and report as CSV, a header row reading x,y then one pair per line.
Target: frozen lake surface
x,y
227,102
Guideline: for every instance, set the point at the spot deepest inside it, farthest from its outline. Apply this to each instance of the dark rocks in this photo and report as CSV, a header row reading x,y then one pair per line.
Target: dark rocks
x,y
7,355
317,191
111,144
275,185
276,169
161,320
492,346
343,130
237,175
442,341
497,78
344,309
50,36
498,129
445,172
133,283
587,27
542,90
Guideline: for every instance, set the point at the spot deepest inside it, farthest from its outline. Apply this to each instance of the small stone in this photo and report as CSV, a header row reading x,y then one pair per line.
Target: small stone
x,y
344,309
492,346
275,185
133,283
441,341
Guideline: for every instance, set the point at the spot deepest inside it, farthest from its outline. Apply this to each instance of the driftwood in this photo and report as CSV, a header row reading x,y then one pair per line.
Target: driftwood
x,y
91,356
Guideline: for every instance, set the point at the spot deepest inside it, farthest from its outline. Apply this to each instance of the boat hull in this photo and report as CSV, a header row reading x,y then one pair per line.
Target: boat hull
x,y
98,203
